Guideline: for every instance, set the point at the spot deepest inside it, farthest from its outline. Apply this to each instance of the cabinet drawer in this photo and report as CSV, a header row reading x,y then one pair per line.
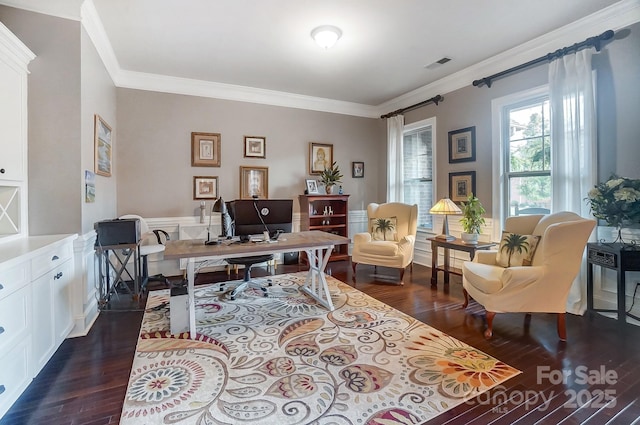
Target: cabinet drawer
x,y
15,314
13,278
14,374
50,259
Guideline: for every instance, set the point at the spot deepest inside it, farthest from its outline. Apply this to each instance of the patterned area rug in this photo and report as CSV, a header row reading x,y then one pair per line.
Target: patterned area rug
x,y
286,360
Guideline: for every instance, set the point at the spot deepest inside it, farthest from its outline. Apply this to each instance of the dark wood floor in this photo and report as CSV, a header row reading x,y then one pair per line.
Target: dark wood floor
x,y
85,381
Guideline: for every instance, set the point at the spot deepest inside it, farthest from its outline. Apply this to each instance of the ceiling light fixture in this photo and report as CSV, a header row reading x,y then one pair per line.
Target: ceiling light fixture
x,y
326,35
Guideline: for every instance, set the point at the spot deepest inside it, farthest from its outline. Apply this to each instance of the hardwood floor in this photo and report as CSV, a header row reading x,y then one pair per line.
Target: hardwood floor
x,y
85,381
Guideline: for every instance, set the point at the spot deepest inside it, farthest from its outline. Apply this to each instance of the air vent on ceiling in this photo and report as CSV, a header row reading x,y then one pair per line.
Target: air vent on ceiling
x,y
437,63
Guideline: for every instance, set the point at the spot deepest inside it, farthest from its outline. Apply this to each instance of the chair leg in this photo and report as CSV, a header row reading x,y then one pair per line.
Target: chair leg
x,y
488,333
401,276
466,298
562,326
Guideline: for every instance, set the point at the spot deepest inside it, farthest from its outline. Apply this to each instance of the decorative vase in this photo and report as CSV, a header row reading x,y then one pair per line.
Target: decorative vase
x,y
470,238
329,189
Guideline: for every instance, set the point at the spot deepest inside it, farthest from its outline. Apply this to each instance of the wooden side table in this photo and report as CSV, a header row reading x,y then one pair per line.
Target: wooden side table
x,y
457,245
620,258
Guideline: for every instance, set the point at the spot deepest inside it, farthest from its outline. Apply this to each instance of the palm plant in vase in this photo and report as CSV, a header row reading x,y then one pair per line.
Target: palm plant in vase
x,y
472,219
330,177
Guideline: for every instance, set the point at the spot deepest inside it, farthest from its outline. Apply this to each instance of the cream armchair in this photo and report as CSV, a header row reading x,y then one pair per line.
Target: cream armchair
x,y
542,287
391,237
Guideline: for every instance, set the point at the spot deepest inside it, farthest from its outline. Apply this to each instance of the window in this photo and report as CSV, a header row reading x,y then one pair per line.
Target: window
x,y
528,157
418,176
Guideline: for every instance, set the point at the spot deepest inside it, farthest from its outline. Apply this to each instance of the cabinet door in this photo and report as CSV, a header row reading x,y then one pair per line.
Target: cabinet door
x,y
11,124
43,327
62,317
14,374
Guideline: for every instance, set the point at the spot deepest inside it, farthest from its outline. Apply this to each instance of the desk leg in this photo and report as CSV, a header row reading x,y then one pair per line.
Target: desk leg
x,y
434,264
622,302
192,300
316,282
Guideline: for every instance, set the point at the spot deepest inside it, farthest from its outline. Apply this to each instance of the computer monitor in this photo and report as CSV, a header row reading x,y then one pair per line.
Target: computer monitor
x,y
254,216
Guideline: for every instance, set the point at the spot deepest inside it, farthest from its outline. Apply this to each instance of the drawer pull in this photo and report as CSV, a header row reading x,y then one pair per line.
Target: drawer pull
x,y
1,170
58,275
1,287
54,258
2,389
1,330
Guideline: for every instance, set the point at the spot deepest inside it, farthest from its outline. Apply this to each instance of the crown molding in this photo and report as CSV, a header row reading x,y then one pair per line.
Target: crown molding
x,y
617,16
15,49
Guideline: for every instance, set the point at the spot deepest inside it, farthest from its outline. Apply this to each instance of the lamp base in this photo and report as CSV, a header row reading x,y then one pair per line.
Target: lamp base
x,y
446,238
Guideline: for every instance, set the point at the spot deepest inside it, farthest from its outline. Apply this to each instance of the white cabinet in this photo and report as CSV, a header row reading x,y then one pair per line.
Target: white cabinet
x,y
14,58
36,274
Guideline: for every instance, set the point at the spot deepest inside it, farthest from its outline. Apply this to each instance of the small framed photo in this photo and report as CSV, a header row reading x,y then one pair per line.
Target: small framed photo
x,y
205,187
205,149
102,146
255,147
312,187
320,157
461,185
254,181
357,169
462,145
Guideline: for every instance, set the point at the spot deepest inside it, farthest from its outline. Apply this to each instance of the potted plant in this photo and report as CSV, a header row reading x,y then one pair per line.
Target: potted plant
x,y
330,177
472,220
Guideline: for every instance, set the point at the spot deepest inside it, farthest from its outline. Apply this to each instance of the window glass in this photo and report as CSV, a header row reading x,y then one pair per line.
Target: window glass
x,y
418,171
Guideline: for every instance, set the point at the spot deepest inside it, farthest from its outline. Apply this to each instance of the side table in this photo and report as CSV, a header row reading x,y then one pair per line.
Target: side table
x,y
614,256
457,245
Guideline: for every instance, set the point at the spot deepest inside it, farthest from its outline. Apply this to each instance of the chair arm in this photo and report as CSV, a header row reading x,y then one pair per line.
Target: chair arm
x,y
361,238
521,275
486,257
157,233
407,240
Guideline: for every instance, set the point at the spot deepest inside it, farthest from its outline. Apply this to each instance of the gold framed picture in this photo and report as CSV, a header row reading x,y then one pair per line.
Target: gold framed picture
x,y
254,182
205,187
320,157
102,146
461,185
205,149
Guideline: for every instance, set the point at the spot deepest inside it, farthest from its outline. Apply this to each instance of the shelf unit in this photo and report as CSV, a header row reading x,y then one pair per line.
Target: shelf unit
x,y
328,213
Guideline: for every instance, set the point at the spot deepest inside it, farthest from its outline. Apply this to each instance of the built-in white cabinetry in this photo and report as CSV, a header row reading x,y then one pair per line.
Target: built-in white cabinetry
x,y
36,274
14,58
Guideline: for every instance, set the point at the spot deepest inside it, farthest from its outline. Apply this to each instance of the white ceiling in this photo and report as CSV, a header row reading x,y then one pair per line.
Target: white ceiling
x,y
265,44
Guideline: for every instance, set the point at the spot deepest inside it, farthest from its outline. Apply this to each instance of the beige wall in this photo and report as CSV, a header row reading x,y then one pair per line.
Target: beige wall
x,y
154,150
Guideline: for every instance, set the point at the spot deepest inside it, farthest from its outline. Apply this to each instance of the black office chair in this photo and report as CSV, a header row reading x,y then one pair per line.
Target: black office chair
x,y
227,231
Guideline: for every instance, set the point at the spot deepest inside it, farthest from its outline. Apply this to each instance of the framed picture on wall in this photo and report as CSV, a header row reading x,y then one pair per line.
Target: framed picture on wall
x,y
205,149
461,185
320,157
102,146
357,169
205,187
462,145
255,147
254,181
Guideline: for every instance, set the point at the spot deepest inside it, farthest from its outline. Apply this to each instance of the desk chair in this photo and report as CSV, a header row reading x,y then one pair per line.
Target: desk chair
x,y
248,262
149,247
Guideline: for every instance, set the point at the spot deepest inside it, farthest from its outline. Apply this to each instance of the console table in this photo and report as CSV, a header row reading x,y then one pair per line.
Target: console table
x,y
614,256
457,245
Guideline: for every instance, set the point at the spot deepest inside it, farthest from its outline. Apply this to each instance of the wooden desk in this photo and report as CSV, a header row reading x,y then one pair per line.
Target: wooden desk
x,y
317,245
617,257
457,245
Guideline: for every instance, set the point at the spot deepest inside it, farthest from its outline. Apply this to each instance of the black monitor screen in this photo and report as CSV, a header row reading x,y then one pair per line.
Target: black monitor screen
x,y
253,217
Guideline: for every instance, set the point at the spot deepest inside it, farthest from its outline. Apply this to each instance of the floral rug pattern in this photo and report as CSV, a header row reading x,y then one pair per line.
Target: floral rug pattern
x,y
287,360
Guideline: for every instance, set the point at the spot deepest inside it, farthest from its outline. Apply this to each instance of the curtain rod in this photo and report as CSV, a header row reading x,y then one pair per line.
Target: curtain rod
x,y
434,99
591,41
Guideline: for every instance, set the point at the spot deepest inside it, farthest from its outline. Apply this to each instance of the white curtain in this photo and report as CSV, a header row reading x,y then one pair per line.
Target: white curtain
x,y
573,131
395,128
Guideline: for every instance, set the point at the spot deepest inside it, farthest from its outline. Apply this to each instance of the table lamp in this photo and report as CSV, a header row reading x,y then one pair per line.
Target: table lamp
x,y
446,207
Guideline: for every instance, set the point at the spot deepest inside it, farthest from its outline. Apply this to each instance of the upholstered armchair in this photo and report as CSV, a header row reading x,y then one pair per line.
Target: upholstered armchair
x,y
390,239
532,270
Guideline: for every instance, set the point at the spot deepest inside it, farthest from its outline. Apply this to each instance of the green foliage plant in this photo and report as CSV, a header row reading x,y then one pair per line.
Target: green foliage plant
x,y
331,176
472,215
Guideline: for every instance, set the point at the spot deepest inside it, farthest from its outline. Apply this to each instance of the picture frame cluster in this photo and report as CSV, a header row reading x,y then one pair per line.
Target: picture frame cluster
x,y
462,148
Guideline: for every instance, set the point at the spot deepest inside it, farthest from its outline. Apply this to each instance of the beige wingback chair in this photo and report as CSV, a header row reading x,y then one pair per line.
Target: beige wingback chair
x,y
395,249
541,287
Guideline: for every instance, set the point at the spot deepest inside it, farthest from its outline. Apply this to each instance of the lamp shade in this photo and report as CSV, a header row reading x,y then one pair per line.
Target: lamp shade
x,y
326,36
445,206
